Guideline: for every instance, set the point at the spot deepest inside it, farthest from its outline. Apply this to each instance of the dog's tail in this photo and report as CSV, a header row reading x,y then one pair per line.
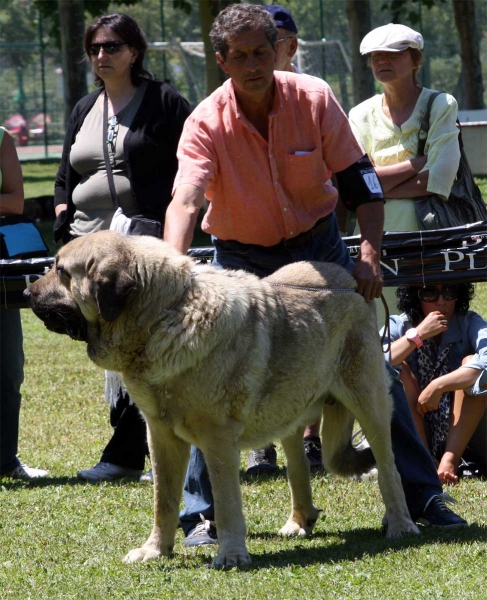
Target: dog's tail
x,y
339,455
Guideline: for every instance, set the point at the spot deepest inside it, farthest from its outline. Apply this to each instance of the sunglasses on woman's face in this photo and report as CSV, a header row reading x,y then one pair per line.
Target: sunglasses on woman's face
x,y
108,47
431,293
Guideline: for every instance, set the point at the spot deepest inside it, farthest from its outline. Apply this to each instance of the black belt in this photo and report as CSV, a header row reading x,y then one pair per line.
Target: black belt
x,y
306,237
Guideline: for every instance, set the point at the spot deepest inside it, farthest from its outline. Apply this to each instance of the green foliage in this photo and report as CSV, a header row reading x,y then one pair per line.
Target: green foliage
x,y
411,9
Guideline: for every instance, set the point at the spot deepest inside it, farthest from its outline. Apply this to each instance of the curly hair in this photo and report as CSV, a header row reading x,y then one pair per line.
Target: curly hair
x,y
239,18
409,302
128,29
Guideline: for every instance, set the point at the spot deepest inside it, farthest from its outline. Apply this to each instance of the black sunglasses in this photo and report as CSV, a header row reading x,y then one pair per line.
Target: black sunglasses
x,y
431,293
108,47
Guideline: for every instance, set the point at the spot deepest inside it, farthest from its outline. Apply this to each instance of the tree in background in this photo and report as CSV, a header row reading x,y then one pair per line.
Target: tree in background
x,y
359,19
470,91
72,29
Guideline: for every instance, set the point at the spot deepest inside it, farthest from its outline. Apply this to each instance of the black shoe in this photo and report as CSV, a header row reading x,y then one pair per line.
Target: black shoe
x,y
263,461
312,449
202,534
437,514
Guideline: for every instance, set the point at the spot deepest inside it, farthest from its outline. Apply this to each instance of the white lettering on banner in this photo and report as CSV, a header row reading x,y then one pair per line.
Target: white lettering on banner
x,y
372,182
456,257
394,270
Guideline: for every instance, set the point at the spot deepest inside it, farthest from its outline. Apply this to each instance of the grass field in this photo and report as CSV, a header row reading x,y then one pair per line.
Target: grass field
x,y
62,539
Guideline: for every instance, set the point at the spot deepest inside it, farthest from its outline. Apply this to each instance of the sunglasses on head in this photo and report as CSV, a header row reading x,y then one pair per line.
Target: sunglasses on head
x,y
431,293
108,47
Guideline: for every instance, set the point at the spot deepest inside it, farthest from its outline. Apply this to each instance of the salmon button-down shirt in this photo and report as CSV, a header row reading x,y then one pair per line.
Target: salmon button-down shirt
x,y
262,192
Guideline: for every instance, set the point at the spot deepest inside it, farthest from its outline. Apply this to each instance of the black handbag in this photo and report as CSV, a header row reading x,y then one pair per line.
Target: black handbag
x,y
139,224
464,204
20,238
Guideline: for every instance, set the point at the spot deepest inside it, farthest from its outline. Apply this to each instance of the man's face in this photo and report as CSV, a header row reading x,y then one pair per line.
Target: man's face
x,y
287,44
250,62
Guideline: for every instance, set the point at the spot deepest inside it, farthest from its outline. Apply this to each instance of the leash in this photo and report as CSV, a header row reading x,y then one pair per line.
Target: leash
x,y
315,289
387,326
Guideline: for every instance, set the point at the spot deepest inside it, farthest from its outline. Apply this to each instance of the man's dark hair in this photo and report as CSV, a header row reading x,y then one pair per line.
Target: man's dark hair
x,y
127,29
409,302
239,18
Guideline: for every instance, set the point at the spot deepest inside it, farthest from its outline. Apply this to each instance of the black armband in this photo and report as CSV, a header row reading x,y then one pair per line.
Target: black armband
x,y
358,184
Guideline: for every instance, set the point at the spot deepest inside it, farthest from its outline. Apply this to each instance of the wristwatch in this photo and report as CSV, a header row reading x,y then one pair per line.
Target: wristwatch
x,y
413,335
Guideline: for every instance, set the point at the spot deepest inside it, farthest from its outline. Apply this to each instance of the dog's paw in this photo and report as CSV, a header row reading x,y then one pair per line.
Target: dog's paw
x,y
293,529
141,555
396,530
230,559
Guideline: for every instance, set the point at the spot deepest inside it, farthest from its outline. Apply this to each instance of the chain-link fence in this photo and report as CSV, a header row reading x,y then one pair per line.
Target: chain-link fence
x,y
32,100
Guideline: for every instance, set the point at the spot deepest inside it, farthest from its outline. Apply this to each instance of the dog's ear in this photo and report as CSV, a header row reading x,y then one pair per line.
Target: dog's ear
x,y
111,291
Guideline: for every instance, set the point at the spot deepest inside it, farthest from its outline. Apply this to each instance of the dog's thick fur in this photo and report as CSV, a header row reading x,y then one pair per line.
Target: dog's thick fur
x,y
225,361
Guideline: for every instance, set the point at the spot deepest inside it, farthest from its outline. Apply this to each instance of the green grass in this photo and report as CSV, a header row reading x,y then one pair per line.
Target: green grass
x,y
61,539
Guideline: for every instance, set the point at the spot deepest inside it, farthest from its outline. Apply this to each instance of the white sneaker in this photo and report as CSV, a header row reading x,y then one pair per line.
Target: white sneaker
x,y
105,471
147,476
26,473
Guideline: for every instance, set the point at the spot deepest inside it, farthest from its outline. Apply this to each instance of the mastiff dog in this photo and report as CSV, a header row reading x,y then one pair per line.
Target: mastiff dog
x,y
226,361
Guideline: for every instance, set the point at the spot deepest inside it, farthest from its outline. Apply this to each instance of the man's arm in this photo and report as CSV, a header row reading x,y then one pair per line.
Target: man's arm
x,y
181,216
367,270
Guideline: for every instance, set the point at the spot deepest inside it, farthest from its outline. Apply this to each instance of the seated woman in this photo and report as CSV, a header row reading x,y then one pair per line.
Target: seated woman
x,y
441,347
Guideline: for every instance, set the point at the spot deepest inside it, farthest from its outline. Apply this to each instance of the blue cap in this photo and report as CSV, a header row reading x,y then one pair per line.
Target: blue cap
x,y
282,17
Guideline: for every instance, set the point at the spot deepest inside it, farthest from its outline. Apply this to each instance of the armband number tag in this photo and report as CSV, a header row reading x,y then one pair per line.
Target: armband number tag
x,y
372,182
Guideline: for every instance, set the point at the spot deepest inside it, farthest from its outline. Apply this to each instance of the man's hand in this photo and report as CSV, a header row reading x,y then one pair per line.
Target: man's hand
x,y
368,274
367,270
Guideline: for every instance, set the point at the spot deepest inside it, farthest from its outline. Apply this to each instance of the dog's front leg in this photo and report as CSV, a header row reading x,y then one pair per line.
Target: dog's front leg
x,y
169,457
223,461
303,514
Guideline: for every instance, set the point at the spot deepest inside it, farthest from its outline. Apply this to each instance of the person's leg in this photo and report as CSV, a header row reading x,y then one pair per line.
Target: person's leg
x,y
11,378
128,444
467,411
412,390
413,461
197,494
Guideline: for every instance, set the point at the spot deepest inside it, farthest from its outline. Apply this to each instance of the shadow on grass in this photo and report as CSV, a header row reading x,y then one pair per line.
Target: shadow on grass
x,y
350,546
13,484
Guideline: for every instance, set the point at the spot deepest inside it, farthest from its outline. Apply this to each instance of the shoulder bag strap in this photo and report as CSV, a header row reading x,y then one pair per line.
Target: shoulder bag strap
x,y
424,125
108,165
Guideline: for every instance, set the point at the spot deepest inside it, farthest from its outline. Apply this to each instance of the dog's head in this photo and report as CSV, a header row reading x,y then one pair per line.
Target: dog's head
x,y
99,276
90,278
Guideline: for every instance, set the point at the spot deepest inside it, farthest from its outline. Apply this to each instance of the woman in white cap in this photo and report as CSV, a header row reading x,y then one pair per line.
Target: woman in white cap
x,y
387,126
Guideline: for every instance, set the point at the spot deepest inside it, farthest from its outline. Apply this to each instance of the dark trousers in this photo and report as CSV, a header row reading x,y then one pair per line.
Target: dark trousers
x,y
11,378
128,445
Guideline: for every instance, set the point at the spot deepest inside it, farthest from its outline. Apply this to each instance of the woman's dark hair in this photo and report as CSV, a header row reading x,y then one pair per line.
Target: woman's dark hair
x,y
409,302
129,31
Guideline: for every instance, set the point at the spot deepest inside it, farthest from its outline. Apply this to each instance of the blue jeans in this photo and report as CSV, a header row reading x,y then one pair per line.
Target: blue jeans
x,y
11,378
415,466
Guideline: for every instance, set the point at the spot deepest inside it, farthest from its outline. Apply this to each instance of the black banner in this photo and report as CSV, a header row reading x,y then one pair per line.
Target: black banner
x,y
458,254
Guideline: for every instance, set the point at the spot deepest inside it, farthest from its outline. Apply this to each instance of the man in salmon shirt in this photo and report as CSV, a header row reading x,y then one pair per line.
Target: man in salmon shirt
x,y
261,150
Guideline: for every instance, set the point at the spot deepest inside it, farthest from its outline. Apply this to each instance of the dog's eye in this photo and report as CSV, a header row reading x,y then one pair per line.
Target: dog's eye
x,y
61,271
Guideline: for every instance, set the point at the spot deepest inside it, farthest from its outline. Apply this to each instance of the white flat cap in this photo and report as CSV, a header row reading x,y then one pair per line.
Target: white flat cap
x,y
391,38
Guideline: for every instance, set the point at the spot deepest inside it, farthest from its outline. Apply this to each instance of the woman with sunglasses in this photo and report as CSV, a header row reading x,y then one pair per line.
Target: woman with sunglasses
x,y
130,127
440,347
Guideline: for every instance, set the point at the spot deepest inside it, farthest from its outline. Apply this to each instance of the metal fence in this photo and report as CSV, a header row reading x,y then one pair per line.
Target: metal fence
x,y
32,104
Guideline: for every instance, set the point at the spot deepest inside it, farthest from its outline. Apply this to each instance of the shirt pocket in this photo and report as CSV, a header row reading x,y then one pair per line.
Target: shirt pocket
x,y
304,176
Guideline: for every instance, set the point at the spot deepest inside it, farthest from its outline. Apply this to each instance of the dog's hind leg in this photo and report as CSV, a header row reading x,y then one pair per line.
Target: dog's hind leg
x,y
303,514
169,458
374,417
